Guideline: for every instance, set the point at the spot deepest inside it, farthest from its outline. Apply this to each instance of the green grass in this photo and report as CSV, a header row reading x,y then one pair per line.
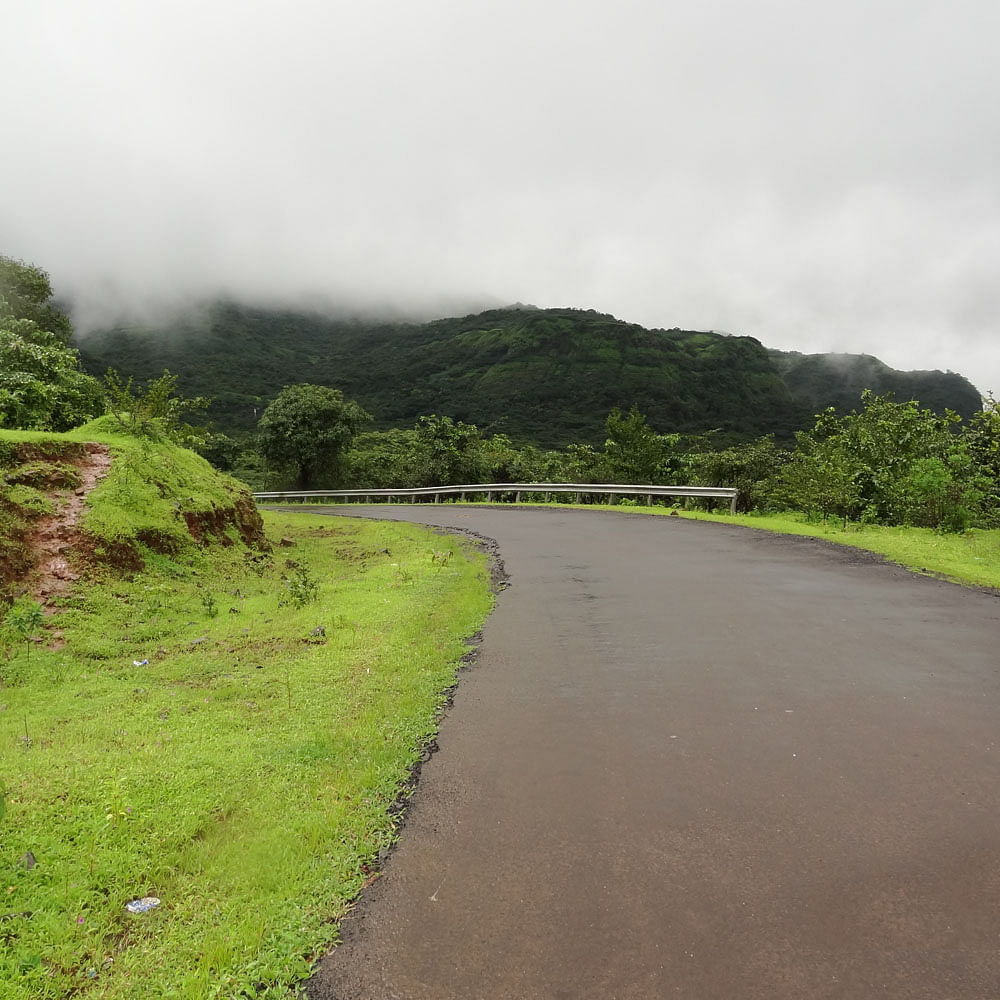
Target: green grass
x,y
246,774
971,558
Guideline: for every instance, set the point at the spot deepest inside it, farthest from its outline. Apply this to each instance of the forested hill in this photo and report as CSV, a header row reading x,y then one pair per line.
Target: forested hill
x,y
545,375
820,380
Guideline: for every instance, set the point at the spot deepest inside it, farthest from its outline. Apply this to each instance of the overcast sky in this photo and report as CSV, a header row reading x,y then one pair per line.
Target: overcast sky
x,y
822,176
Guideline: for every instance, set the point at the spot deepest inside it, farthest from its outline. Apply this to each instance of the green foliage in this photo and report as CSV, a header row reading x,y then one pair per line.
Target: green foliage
x,y
308,429
634,453
449,452
27,294
383,459
41,383
749,468
22,620
890,463
439,449
549,376
982,439
154,412
303,589
818,381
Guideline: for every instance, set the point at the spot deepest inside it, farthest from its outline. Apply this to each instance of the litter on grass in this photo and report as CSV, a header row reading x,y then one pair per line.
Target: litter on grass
x,y
140,663
143,905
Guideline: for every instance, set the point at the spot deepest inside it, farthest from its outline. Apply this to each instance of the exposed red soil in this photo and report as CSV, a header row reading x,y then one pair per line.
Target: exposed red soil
x,y
56,535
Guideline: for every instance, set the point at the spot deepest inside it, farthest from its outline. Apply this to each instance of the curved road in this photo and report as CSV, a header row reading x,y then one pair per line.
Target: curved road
x,y
698,761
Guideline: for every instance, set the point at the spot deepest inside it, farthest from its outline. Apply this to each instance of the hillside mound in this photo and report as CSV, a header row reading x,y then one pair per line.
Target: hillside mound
x,y
95,501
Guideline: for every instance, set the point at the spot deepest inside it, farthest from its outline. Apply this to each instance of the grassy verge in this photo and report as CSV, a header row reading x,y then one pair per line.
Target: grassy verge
x,y
972,558
969,558
198,740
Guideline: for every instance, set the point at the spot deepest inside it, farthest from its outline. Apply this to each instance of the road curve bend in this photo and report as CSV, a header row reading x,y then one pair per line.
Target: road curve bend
x,y
697,761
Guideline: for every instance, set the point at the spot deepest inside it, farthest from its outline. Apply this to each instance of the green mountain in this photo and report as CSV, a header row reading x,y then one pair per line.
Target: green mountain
x,y
544,375
820,380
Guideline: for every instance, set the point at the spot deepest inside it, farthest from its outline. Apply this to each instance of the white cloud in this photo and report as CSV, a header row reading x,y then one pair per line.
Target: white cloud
x,y
819,177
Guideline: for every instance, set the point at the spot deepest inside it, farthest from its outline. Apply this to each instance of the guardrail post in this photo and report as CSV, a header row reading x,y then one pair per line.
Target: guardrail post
x,y
649,499
437,497
732,505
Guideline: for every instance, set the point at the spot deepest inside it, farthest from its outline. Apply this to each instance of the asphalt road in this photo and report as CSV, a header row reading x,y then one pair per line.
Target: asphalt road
x,y
698,761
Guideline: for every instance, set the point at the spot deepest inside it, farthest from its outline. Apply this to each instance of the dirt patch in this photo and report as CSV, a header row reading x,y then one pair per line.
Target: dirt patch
x,y
55,536
204,526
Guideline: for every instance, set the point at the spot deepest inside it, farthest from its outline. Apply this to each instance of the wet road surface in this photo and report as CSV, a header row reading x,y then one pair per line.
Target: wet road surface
x,y
698,761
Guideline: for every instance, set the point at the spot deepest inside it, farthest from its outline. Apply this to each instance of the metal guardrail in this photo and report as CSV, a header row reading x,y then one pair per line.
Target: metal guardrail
x,y
610,490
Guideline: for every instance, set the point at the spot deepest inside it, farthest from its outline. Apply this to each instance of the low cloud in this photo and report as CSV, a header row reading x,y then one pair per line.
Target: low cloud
x,y
822,179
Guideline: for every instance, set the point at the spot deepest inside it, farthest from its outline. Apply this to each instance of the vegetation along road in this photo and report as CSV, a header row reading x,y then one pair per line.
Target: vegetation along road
x,y
698,761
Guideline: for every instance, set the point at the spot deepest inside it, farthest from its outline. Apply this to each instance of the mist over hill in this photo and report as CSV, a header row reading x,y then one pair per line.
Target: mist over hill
x,y
544,375
820,380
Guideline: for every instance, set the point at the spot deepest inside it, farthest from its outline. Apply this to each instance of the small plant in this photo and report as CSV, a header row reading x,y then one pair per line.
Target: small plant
x,y
401,574
302,588
117,812
23,619
441,559
154,411
209,604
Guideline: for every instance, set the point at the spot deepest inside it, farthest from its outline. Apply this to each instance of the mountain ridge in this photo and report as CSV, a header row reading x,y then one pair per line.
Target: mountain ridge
x,y
544,375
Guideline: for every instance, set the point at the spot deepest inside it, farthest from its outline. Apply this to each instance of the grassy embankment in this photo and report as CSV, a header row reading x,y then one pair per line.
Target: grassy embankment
x,y
247,773
972,558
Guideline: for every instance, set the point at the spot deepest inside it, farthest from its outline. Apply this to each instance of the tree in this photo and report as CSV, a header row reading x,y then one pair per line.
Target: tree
x,y
383,459
308,430
634,452
449,453
41,384
890,462
28,294
155,410
981,437
747,467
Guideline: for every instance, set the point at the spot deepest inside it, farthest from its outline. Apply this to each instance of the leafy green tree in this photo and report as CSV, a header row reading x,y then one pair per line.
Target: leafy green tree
x,y
41,384
308,429
28,293
582,463
448,452
23,618
634,452
819,480
748,467
981,437
890,462
383,459
154,411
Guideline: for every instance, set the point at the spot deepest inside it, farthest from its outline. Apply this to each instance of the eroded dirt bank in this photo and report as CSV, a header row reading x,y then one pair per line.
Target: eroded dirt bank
x,y
55,536
699,762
